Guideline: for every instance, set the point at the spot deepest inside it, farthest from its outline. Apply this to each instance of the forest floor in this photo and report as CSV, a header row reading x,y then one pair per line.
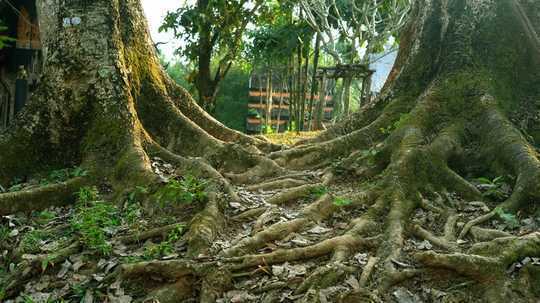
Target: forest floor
x,y
71,254
290,138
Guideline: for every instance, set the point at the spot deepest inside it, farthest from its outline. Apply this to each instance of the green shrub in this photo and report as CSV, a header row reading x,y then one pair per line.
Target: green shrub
x,y
93,218
156,251
187,190
31,242
340,201
319,191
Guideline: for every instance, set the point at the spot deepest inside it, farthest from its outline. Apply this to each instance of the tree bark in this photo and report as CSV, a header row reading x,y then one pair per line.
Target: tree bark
x,y
319,114
314,81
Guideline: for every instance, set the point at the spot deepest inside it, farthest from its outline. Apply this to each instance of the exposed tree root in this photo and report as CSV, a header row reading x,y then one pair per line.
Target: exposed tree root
x,y
294,193
41,198
278,184
206,226
31,267
149,234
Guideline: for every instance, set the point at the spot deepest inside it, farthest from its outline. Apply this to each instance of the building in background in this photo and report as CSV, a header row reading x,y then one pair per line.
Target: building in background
x,y
21,61
279,105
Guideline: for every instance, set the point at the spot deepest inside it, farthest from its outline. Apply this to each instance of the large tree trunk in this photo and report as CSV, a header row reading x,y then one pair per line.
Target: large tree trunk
x,y
458,104
107,105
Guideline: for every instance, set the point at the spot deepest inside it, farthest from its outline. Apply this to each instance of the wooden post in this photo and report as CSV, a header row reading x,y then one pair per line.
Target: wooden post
x,y
269,100
366,88
347,82
321,104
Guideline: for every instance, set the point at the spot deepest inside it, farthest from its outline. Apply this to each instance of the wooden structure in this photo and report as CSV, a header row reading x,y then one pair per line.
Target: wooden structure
x,y
279,107
347,72
21,19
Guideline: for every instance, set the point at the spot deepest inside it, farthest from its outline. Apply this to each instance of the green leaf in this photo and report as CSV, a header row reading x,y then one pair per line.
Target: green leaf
x,y
340,201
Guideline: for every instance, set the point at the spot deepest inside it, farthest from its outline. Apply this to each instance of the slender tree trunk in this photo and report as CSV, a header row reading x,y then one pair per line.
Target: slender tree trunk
x,y
319,115
291,98
283,91
298,90
347,83
269,100
260,101
204,80
338,101
314,81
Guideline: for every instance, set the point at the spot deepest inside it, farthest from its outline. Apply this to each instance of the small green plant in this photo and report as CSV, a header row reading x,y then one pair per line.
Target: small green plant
x,y
16,185
132,212
45,217
496,189
403,118
156,251
45,262
138,191
187,190
78,290
254,113
132,207
92,220
319,191
4,39
32,241
267,129
61,175
509,219
4,233
27,299
87,194
340,201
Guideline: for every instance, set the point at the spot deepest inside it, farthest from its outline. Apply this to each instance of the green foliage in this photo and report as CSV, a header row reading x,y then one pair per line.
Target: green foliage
x,y
16,185
132,208
61,175
87,194
509,219
4,233
45,262
232,99
94,219
78,290
181,73
319,191
403,118
274,44
4,40
156,251
496,189
45,217
340,201
223,21
32,241
186,190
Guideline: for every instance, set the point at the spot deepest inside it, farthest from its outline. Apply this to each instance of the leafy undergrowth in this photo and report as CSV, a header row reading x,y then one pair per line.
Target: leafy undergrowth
x,y
104,234
290,138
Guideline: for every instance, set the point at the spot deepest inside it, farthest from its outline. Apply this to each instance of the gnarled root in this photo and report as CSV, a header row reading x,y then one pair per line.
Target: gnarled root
x,y
42,197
